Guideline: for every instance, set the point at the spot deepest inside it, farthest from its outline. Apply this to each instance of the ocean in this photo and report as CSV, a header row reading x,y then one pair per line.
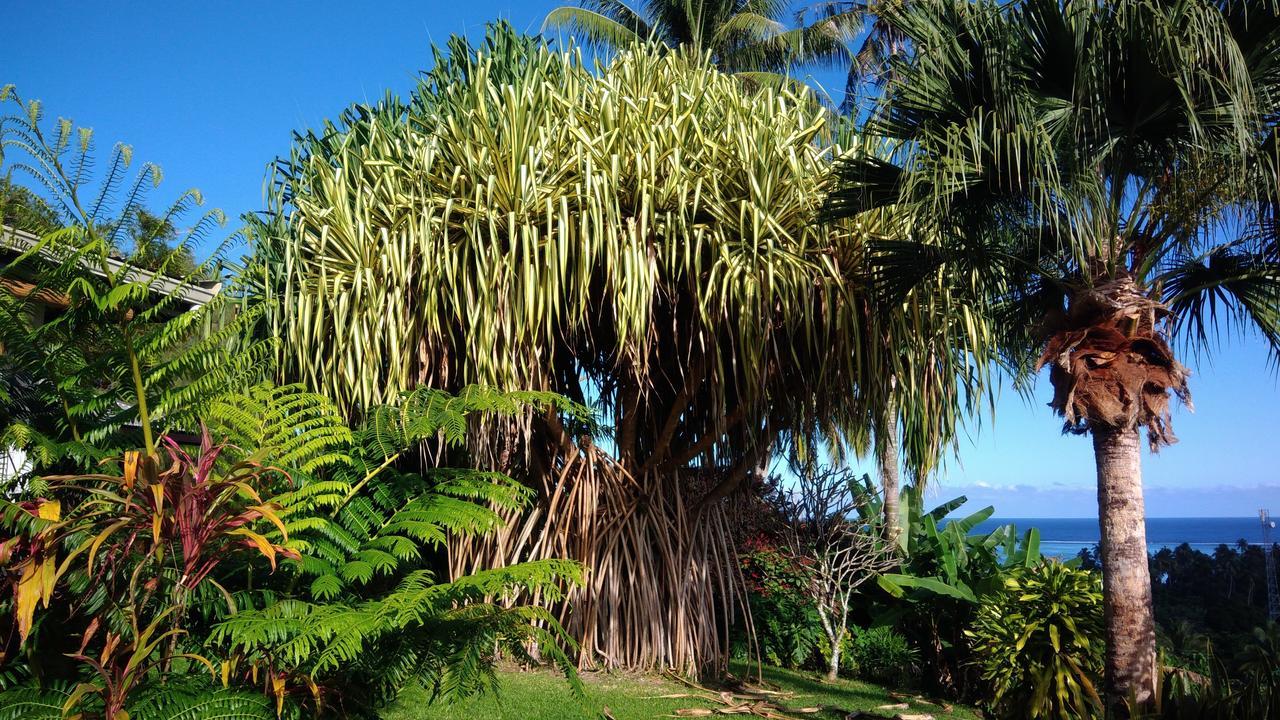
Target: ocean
x,y
1064,537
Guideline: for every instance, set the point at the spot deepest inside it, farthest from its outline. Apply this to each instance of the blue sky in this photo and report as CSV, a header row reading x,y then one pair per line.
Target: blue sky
x,y
213,91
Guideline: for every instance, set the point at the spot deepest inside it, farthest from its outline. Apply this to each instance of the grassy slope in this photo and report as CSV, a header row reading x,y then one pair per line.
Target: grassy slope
x,y
544,696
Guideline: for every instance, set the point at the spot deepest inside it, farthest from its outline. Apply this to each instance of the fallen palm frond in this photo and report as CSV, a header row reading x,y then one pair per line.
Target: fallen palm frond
x,y
744,700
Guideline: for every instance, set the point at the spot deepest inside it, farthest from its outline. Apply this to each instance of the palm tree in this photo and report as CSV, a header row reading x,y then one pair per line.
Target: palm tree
x,y
881,41
1106,175
748,37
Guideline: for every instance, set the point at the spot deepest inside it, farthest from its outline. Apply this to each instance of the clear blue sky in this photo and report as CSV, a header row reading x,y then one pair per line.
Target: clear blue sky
x,y
212,92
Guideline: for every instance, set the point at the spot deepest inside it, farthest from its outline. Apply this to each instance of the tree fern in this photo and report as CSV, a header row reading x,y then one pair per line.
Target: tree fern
x,y
178,703
168,702
453,619
365,518
367,613
125,351
292,427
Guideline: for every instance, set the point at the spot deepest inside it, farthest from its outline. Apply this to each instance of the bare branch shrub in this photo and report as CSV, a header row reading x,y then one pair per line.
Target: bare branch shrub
x,y
830,531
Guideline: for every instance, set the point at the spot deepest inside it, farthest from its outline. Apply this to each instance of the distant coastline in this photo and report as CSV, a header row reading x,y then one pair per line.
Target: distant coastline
x,y
1065,537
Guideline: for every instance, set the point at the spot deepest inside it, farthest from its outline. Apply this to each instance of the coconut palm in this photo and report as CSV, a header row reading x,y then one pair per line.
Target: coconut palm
x,y
1106,174
880,42
749,37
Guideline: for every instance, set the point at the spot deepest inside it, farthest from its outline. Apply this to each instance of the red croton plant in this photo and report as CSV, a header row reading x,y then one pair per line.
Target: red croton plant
x,y
150,535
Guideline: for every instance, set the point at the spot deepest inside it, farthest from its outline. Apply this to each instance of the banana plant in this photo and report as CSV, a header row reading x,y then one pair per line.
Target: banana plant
x,y
946,570
943,556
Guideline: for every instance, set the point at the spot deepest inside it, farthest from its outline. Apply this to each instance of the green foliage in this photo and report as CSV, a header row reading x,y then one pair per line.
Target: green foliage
x,y
508,243
441,635
945,571
366,614
1260,660
941,557
156,560
749,37
1039,642
295,428
180,701
1208,604
154,238
133,551
1031,130
171,703
1250,691
24,210
880,654
29,703
642,234
127,349
1106,176
590,233
786,626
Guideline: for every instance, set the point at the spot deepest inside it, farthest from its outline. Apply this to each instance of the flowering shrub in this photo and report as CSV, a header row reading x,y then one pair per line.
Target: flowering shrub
x,y
786,626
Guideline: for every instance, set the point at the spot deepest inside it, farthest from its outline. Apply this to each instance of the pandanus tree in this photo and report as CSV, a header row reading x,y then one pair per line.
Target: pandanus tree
x,y
1106,175
643,240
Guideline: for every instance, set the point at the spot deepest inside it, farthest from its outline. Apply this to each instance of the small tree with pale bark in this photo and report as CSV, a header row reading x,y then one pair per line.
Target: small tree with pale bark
x,y
840,544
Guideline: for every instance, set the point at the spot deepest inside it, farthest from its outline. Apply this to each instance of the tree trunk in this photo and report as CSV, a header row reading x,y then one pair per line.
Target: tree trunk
x,y
887,463
661,577
833,669
834,633
1131,638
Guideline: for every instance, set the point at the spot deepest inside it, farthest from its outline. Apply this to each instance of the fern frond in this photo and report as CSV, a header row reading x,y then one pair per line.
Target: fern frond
x,y
32,703
292,427
206,705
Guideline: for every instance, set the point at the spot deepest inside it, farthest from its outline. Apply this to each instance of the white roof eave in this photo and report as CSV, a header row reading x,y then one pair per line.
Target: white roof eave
x,y
195,295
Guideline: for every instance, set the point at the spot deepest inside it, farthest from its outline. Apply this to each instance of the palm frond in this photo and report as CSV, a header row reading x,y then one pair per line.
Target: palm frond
x,y
594,29
1228,289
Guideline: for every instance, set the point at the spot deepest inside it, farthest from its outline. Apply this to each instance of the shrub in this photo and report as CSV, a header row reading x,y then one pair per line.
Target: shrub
x,y
1038,642
159,569
787,629
882,655
946,568
136,550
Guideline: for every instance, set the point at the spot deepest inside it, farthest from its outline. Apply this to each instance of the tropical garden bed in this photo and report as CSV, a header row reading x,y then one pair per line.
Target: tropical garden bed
x,y
632,696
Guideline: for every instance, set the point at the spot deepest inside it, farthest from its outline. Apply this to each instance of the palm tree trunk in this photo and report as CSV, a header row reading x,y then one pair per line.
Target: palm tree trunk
x,y
1131,638
887,462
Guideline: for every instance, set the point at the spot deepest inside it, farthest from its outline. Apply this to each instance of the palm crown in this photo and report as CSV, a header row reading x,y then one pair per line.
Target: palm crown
x,y
742,36
1088,167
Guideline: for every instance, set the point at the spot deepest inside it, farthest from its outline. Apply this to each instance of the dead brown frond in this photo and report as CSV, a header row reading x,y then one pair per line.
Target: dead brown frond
x,y
741,700
1112,367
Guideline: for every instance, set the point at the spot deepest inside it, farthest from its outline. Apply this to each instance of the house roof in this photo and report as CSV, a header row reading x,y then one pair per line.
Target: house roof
x,y
14,241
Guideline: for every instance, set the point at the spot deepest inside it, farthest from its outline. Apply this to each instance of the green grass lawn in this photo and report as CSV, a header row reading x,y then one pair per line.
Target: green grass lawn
x,y
544,696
